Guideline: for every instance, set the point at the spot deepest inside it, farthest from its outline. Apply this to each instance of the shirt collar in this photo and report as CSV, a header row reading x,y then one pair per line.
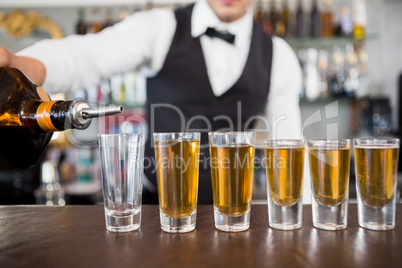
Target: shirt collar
x,y
203,17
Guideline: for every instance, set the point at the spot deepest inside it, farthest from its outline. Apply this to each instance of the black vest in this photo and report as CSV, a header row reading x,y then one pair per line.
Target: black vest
x,y
180,97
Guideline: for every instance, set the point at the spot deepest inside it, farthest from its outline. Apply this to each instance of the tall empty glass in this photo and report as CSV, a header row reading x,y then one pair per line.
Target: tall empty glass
x,y
121,168
232,158
284,161
329,171
376,163
177,161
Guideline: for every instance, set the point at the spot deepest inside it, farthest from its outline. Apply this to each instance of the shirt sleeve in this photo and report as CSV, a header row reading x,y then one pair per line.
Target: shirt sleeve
x,y
283,110
81,61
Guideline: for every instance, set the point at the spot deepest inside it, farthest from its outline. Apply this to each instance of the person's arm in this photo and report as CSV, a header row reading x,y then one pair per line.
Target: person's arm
x,y
283,110
80,61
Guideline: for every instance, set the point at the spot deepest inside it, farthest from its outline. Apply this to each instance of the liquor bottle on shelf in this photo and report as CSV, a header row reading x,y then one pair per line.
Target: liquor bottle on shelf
x,y
28,119
364,75
81,27
117,89
149,5
106,91
285,19
337,76
280,24
315,21
351,84
124,12
109,19
266,20
302,56
327,20
359,19
312,79
300,21
345,27
96,24
323,64
273,17
50,191
129,78
259,12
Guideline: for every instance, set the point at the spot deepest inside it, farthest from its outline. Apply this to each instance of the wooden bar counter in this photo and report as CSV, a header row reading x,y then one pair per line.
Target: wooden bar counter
x,y
75,236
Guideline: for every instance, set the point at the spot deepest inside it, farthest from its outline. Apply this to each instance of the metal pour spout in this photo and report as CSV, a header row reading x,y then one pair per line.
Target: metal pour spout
x,y
101,111
81,113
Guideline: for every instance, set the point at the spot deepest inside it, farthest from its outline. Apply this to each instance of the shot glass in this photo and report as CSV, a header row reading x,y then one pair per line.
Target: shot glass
x,y
121,169
376,162
329,171
232,158
284,163
177,161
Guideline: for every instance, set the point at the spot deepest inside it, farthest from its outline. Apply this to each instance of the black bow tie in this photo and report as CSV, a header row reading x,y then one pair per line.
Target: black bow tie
x,y
224,35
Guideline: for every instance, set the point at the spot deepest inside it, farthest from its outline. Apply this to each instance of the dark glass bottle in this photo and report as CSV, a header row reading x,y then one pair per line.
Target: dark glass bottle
x,y
327,20
259,12
273,17
285,17
81,27
315,21
28,119
300,21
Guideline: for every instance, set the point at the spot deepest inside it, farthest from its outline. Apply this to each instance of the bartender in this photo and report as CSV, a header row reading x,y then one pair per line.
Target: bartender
x,y
209,67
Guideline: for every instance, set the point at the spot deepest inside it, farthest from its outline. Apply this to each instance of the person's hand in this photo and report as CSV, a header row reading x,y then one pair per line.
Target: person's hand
x,y
32,68
5,57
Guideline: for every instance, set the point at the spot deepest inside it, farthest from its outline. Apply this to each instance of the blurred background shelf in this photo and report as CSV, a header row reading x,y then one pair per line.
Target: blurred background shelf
x,y
82,3
328,42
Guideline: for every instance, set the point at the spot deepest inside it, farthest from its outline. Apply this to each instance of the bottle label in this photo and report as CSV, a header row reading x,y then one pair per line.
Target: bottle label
x,y
43,116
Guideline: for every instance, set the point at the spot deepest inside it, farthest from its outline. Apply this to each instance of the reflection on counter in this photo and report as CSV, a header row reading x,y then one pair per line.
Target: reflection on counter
x,y
50,192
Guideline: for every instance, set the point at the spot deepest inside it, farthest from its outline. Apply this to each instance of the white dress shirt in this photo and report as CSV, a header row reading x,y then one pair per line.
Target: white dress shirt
x,y
143,40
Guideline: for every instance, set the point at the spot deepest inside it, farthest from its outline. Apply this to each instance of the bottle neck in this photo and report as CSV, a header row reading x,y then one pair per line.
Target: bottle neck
x,y
299,7
315,5
43,116
53,115
61,115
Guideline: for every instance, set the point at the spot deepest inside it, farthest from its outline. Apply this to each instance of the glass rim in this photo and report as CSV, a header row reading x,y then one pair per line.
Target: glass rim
x,y
132,139
328,140
284,142
376,140
230,132
119,134
173,136
225,138
175,133
324,142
